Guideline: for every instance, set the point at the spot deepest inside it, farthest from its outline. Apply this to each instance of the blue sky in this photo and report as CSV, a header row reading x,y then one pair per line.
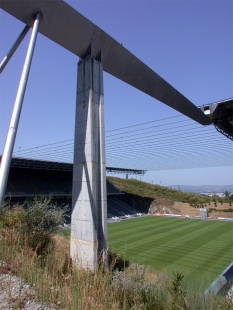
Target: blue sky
x,y
188,43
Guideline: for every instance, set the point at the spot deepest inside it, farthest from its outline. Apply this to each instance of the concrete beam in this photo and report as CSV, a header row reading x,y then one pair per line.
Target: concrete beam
x,y
68,28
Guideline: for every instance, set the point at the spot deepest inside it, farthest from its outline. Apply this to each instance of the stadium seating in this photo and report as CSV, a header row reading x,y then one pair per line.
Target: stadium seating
x,y
119,208
26,182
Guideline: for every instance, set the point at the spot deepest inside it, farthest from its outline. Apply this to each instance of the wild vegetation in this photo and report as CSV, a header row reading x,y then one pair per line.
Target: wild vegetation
x,y
30,249
221,210
163,195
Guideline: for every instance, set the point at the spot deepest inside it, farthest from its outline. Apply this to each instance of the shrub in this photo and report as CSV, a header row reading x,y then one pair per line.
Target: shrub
x,y
134,292
12,217
177,293
33,222
41,215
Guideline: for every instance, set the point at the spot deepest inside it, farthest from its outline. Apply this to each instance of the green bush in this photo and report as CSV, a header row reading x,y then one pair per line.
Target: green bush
x,y
12,217
41,215
34,221
177,292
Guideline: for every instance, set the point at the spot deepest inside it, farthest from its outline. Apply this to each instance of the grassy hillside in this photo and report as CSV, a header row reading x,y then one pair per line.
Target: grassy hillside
x,y
156,193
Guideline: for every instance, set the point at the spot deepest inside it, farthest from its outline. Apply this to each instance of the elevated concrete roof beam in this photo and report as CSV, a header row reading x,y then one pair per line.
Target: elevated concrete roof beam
x,y
68,28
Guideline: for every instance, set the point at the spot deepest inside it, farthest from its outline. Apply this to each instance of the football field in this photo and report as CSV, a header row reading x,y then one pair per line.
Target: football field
x,y
201,250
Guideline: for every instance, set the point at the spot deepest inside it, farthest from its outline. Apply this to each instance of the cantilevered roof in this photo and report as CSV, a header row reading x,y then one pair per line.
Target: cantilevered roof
x,y
68,28
221,113
18,162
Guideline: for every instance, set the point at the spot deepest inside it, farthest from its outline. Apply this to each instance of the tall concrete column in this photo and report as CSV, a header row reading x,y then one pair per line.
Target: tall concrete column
x,y
89,198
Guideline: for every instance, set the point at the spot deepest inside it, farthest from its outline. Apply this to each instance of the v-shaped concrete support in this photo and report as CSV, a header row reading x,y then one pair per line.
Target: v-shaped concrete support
x,y
89,199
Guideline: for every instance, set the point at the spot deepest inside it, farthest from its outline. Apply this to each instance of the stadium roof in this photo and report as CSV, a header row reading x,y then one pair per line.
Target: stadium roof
x,y
221,113
162,144
68,28
52,165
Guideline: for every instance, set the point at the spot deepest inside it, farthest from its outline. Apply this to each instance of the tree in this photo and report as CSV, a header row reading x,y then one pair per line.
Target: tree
x,y
227,195
214,201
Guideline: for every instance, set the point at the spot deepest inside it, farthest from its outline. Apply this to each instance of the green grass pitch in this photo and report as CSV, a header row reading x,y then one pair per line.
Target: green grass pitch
x,y
199,249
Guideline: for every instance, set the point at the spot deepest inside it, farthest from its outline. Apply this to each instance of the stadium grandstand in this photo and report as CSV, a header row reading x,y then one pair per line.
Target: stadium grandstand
x,y
30,178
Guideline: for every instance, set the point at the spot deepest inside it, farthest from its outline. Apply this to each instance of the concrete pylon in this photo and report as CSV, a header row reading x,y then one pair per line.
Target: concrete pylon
x,y
89,199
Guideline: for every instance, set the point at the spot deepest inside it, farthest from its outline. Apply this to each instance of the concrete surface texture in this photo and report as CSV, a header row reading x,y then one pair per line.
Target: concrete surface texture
x,y
89,199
